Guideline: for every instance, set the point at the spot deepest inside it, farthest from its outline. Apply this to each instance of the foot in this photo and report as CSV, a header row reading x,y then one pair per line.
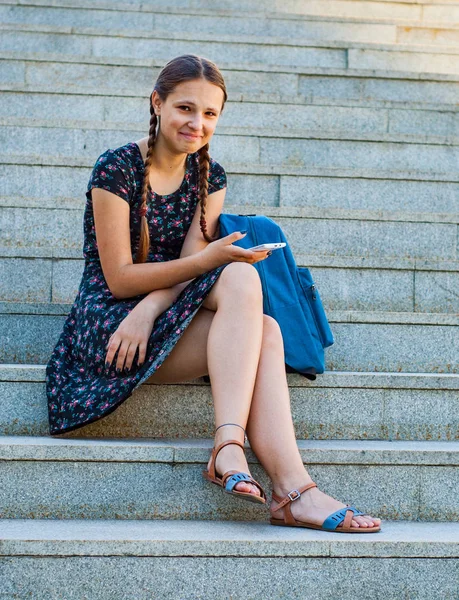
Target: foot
x,y
232,458
314,506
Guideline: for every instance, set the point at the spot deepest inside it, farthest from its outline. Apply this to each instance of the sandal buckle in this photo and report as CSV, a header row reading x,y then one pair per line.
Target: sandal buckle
x,y
295,497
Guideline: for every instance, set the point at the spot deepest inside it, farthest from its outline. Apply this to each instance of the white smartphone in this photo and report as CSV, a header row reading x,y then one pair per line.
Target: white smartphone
x,y
261,247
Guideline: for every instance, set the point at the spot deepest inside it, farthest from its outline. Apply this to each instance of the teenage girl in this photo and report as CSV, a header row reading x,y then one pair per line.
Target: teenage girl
x,y
163,299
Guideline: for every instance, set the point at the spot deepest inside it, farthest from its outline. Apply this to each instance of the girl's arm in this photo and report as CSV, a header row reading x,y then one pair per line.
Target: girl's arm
x,y
160,300
125,279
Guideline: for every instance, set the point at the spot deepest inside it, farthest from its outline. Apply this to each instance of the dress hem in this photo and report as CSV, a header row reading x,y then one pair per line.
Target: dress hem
x,y
154,367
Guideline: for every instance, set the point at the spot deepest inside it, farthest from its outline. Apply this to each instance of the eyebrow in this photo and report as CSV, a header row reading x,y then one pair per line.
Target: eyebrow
x,y
193,104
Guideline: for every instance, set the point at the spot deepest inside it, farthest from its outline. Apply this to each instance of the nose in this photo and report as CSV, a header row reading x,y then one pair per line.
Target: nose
x,y
195,123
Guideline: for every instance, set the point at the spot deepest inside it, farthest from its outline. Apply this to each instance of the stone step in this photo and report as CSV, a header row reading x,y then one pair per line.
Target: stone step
x,y
81,42
311,85
162,479
438,11
330,151
385,154
47,181
343,284
276,25
173,559
398,406
441,11
256,118
355,332
340,235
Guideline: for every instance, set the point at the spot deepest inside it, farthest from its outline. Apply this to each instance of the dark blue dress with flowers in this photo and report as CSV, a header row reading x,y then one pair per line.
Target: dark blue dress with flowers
x,y
80,389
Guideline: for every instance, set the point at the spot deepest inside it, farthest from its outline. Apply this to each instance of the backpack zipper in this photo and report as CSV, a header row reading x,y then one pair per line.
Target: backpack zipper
x,y
313,295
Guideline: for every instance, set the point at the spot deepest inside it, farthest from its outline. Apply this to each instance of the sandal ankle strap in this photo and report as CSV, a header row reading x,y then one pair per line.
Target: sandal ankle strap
x,y
245,434
284,503
292,495
216,450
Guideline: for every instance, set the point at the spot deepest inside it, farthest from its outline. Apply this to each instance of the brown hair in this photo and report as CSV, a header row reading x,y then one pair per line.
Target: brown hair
x,y
182,68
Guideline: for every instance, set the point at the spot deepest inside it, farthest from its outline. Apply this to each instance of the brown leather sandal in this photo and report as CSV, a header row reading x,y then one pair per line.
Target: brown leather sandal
x,y
231,478
343,515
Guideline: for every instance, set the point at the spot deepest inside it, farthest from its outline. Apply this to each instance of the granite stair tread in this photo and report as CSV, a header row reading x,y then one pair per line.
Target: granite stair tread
x,y
112,537
358,379
335,452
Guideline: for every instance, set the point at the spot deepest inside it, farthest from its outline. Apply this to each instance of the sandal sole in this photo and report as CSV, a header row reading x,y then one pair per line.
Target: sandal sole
x,y
306,525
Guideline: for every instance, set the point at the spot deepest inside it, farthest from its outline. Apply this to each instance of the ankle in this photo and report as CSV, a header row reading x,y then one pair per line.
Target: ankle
x,y
229,432
284,486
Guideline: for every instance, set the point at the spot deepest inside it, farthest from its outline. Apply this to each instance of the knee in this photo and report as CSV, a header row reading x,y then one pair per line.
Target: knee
x,y
241,283
272,335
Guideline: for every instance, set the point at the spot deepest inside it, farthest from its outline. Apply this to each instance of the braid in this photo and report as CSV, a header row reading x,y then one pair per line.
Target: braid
x,y
204,161
144,243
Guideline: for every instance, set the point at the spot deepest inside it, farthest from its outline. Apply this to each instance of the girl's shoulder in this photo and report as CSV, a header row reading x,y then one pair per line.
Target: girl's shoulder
x,y
124,156
117,170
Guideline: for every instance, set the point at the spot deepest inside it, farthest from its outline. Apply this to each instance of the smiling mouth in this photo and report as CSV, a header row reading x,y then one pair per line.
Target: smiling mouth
x,y
189,136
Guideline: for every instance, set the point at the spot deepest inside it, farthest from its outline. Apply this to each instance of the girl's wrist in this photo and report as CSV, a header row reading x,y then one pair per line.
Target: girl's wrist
x,y
149,305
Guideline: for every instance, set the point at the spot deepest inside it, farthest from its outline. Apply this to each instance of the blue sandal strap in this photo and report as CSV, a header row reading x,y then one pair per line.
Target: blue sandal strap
x,y
333,520
235,479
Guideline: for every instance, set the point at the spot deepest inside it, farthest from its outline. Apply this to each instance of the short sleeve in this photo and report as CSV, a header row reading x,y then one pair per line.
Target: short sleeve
x,y
217,177
111,173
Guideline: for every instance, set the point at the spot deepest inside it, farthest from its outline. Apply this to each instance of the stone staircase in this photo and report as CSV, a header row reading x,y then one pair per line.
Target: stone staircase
x,y
342,124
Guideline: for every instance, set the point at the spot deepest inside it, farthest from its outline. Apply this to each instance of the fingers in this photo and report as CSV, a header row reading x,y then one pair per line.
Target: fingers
x,y
126,352
130,355
122,354
112,347
142,354
250,256
233,237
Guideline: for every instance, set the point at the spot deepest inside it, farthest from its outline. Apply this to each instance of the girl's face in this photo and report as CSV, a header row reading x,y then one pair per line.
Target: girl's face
x,y
189,115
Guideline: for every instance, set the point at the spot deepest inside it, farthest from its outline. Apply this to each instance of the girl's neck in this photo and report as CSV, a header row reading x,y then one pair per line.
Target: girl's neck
x,y
163,160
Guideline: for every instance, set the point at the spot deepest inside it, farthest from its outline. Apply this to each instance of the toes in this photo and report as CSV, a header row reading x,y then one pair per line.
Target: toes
x,y
247,487
369,521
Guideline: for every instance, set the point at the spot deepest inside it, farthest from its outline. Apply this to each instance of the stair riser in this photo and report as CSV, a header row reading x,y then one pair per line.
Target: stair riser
x,y
172,577
250,150
136,80
175,411
281,27
221,25
389,10
47,280
328,237
293,118
136,490
358,346
260,190
218,25
438,12
282,56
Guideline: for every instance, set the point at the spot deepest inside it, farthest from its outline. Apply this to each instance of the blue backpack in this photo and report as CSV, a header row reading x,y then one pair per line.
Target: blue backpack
x,y
289,295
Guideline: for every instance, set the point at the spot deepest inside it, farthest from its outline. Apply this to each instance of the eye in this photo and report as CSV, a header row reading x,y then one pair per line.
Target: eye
x,y
209,112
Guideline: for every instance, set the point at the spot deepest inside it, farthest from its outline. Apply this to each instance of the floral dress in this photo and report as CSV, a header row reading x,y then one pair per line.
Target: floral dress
x,y
79,388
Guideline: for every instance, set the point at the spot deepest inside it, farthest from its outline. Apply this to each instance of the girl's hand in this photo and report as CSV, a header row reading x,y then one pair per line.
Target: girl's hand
x,y
223,251
134,331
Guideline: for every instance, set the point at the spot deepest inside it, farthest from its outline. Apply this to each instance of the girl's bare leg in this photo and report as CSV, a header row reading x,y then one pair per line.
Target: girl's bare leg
x,y
266,413
272,437
224,342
